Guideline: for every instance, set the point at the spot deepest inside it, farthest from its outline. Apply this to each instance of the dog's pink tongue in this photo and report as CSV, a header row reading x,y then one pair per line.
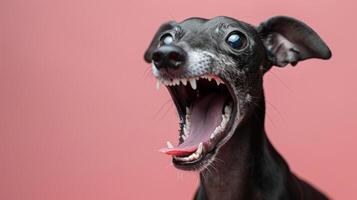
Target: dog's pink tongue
x,y
206,115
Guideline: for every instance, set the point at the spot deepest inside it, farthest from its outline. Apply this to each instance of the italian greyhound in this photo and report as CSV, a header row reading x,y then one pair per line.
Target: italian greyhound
x,y
213,70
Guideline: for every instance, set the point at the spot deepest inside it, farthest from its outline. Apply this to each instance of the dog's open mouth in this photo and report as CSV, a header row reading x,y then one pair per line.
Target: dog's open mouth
x,y
205,106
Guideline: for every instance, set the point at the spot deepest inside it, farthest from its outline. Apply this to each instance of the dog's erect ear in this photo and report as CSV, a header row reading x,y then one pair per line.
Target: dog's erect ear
x,y
155,41
290,41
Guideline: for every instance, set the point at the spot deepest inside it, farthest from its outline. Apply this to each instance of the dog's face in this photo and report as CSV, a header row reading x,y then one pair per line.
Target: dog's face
x,y
214,69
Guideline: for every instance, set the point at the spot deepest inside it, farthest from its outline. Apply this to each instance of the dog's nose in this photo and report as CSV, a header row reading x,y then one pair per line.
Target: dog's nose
x,y
169,56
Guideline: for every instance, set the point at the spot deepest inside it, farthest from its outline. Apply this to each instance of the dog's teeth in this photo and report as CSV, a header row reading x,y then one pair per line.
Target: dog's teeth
x,y
184,81
158,85
227,109
209,78
166,83
193,83
169,145
193,156
184,136
217,81
188,111
199,149
176,82
225,118
215,132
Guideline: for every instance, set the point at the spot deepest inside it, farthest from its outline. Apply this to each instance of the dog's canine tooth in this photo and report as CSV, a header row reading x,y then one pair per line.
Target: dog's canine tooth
x,y
169,145
199,149
158,85
193,83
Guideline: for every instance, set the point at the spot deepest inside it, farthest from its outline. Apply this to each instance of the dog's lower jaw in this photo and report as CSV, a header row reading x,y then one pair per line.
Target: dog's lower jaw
x,y
248,167
228,177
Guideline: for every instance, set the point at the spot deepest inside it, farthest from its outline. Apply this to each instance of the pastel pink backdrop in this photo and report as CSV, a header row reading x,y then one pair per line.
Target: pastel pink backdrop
x,y
80,117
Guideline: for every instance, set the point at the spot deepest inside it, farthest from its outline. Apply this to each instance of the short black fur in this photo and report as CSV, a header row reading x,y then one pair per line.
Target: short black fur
x,y
246,165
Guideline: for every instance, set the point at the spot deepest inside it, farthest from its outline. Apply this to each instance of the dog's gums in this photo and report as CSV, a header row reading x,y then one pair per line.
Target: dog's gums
x,y
205,107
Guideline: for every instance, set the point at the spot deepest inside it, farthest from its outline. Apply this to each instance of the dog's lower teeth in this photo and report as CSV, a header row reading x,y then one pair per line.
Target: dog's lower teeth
x,y
227,109
194,156
186,126
169,145
188,111
225,118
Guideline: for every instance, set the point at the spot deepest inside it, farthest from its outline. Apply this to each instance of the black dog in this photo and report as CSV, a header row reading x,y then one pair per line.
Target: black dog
x,y
214,71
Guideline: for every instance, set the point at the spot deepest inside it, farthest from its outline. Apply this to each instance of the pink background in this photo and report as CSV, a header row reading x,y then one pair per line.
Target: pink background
x,y
80,117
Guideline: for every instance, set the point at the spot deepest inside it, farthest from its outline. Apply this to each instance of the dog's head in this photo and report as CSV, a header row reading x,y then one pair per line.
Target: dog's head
x,y
213,70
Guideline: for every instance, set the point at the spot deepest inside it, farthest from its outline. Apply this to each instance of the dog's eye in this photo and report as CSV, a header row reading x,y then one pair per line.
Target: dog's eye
x,y
236,40
166,39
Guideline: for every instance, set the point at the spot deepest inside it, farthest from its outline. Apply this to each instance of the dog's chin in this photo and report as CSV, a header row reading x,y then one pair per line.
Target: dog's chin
x,y
208,111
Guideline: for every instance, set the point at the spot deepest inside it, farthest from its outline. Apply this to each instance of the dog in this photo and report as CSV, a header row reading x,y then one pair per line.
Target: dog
x,y
213,70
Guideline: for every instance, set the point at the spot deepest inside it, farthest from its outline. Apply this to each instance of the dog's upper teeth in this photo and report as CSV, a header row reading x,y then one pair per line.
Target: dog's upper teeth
x,y
193,83
218,81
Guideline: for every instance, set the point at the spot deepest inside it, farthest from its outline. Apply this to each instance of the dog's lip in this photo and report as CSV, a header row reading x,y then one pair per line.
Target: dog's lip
x,y
195,164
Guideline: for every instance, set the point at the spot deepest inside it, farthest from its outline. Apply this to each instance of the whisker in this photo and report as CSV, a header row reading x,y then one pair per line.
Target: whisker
x,y
162,107
281,81
147,72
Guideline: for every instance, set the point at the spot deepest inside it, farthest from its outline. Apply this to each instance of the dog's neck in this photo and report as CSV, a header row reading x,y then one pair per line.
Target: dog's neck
x,y
246,159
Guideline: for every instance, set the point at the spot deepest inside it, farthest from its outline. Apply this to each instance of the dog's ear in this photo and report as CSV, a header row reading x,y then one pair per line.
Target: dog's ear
x,y
155,41
288,40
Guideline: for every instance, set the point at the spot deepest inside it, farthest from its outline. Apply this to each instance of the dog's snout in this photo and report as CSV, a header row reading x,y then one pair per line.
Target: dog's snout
x,y
169,56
